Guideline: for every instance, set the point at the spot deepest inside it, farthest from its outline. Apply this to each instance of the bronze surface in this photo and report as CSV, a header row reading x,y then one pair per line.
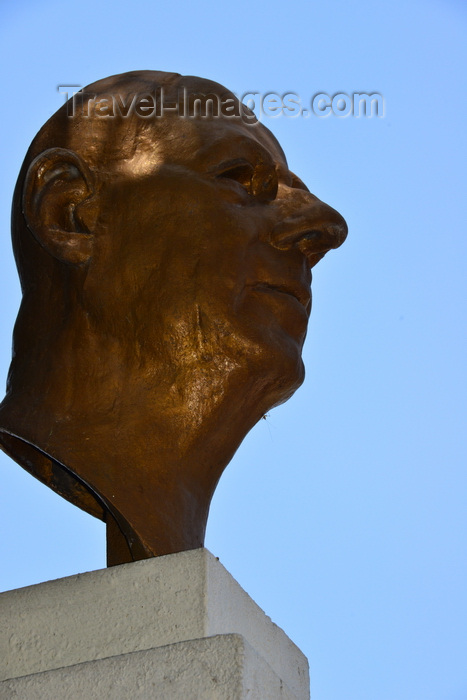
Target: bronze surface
x,y
165,269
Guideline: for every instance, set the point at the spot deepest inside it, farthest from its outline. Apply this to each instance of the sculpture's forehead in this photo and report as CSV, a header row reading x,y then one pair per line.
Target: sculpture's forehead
x,y
234,137
200,144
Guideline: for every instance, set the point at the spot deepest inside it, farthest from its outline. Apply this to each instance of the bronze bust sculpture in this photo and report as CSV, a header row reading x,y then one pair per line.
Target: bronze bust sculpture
x,y
165,268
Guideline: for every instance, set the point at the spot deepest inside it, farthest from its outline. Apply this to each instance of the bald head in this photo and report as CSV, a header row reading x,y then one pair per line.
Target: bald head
x,y
107,120
121,124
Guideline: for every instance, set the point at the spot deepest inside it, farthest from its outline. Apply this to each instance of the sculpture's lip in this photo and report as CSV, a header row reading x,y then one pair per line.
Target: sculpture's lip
x,y
301,293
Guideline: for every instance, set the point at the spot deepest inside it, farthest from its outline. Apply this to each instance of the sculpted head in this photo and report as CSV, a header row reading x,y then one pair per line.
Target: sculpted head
x,y
165,265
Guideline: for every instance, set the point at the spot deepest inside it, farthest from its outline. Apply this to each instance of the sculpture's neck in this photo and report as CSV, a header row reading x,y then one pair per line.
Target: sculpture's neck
x,y
141,446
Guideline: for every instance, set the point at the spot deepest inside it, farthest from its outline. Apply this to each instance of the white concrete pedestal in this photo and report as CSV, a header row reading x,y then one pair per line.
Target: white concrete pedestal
x,y
177,627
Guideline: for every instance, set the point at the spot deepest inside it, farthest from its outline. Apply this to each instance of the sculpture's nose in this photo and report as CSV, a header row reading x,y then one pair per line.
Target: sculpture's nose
x,y
308,224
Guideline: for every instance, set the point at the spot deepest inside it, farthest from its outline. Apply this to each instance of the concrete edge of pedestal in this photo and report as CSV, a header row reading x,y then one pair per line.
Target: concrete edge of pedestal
x,y
224,667
135,607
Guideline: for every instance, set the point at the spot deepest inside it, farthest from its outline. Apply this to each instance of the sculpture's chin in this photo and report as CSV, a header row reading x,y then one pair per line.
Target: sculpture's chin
x,y
287,375
295,380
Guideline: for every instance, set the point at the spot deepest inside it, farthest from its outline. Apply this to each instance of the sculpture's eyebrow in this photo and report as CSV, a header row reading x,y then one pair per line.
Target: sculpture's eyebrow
x,y
235,148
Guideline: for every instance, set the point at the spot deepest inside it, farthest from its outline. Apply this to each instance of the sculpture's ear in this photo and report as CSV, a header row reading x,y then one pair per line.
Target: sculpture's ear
x,y
57,195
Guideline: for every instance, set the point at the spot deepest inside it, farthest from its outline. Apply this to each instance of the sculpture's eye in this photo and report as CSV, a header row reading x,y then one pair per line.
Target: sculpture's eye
x,y
265,183
241,173
260,182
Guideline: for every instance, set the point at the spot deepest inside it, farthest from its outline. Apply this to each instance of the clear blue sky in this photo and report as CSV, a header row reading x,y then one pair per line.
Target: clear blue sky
x,y
344,514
